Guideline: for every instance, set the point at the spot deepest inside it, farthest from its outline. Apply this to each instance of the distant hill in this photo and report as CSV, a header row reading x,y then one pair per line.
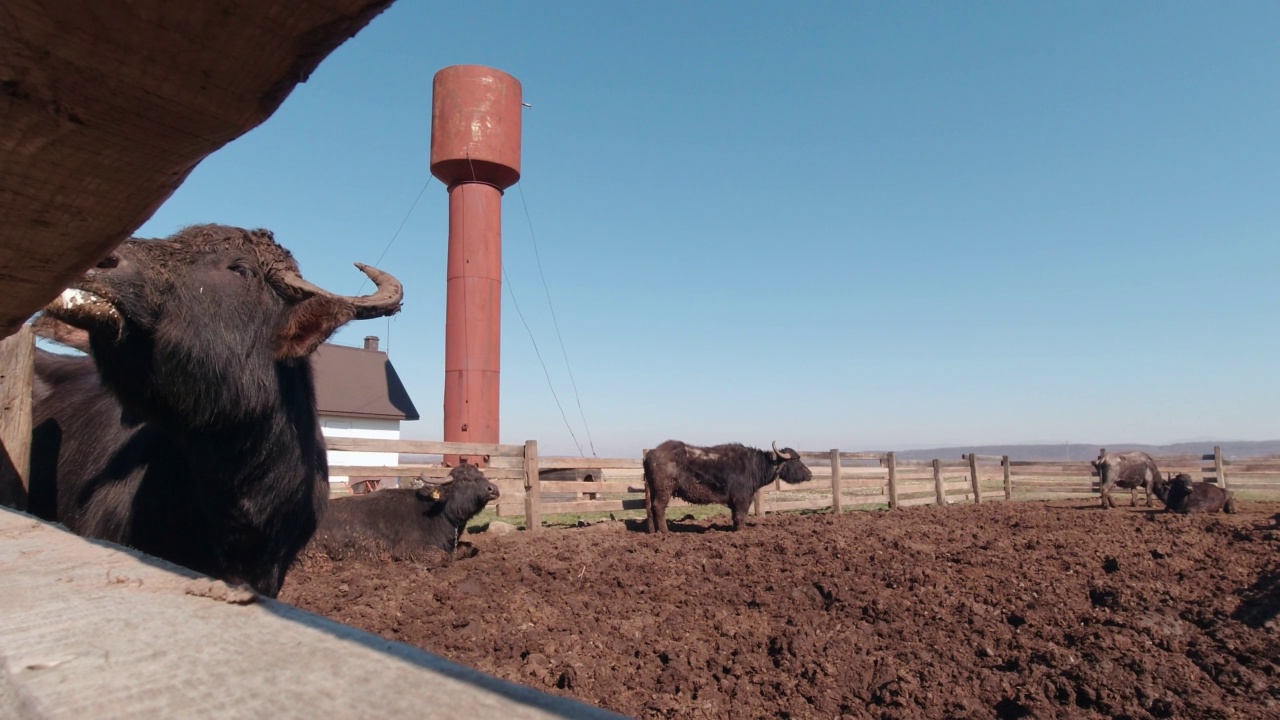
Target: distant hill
x,y
1232,449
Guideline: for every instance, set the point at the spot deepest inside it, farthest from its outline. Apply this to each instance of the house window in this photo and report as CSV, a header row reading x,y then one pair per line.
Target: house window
x,y
338,424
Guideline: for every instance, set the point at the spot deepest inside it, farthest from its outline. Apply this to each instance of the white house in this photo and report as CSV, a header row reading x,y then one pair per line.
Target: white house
x,y
359,395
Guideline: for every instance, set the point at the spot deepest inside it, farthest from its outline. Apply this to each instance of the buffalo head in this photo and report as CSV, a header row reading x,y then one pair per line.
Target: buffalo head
x,y
790,469
464,494
165,319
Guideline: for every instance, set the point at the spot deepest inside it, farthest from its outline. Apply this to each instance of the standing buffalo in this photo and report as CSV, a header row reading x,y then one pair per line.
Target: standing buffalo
x,y
195,438
406,521
1180,494
725,474
1131,470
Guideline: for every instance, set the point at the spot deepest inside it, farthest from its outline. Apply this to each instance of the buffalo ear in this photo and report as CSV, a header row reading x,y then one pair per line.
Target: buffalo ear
x,y
430,492
310,323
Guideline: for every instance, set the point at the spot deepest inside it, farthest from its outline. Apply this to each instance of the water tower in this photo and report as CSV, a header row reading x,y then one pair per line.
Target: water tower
x,y
475,152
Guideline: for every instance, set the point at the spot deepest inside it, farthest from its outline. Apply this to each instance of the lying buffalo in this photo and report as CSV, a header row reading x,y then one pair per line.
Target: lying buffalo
x,y
725,474
190,433
1180,494
404,522
1131,470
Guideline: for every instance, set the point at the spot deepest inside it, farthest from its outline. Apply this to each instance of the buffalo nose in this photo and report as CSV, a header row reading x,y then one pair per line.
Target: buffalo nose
x,y
109,262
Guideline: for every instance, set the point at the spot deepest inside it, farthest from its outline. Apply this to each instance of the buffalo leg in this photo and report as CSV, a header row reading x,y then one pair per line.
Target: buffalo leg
x,y
739,516
648,507
1133,496
1107,502
658,515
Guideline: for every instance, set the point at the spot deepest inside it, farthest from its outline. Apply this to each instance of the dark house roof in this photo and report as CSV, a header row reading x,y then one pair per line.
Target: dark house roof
x,y
359,382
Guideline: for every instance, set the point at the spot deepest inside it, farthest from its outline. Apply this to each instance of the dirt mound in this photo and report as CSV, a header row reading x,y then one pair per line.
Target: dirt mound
x,y
1001,610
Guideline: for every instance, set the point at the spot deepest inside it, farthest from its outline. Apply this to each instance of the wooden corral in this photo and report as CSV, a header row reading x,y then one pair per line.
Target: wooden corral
x,y
841,480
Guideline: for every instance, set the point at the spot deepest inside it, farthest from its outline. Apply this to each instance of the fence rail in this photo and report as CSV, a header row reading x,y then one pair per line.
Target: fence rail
x,y
534,486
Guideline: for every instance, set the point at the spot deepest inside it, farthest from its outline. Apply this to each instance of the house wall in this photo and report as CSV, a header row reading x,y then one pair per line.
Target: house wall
x,y
359,428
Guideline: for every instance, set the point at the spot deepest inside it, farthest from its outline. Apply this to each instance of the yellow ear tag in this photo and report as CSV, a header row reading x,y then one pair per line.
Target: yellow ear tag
x,y
435,494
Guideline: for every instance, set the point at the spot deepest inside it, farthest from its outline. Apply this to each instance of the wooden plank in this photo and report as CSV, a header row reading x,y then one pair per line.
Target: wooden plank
x,y
533,488
1256,487
835,481
587,506
857,500
1008,479
552,462
1263,465
1049,471
422,447
17,376
861,456
1082,466
815,504
906,496
977,481
559,486
427,471
928,464
939,494
1218,468
891,461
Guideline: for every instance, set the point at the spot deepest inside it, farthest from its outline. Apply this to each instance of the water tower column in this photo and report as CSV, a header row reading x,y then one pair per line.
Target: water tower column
x,y
475,152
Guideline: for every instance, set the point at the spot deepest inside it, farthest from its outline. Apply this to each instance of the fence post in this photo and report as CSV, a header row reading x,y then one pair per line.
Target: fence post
x,y
757,505
532,488
17,371
1219,467
835,481
1008,477
938,488
974,479
891,459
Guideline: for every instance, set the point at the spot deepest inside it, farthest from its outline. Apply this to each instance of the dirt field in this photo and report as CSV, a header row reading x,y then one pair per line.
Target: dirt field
x,y
1012,610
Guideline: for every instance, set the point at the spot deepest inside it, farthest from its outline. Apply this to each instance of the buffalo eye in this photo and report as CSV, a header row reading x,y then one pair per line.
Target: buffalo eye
x,y
241,269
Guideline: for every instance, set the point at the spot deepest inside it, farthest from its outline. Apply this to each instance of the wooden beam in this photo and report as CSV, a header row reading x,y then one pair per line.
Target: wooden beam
x,y
552,462
533,488
835,482
891,461
17,377
939,493
422,447
1008,478
1218,467
974,478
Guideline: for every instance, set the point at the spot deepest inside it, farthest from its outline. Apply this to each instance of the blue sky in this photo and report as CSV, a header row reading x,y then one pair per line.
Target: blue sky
x,y
854,225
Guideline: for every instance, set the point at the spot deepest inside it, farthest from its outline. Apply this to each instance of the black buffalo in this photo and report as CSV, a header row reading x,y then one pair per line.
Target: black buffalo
x,y
191,434
725,474
1180,494
404,521
1131,470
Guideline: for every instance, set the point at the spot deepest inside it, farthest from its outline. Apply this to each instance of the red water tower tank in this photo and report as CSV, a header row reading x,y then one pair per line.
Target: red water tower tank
x,y
475,152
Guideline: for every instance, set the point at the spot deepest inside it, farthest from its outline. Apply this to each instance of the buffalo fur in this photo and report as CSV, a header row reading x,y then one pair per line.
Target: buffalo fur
x,y
1181,495
191,434
724,474
405,522
1131,470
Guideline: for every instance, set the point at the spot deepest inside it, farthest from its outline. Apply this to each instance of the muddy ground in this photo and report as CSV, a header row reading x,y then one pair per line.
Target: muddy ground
x,y
1006,610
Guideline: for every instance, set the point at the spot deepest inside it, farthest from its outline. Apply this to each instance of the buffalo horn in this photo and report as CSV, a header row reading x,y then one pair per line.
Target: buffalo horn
x,y
787,456
385,301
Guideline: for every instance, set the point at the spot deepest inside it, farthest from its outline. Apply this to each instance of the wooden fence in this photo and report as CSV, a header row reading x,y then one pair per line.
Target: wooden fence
x,y
534,486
